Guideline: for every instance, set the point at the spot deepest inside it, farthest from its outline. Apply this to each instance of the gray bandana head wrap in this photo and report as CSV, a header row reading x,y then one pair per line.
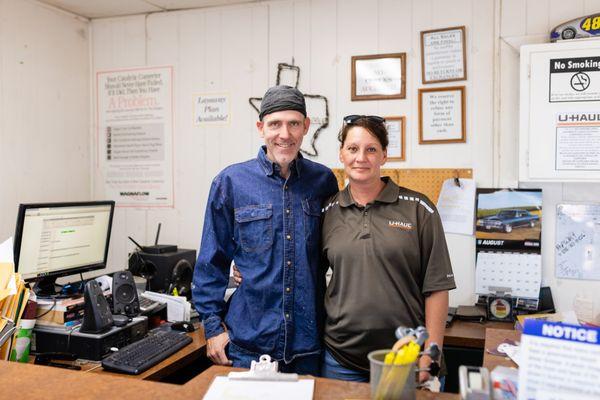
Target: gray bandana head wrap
x,y
281,98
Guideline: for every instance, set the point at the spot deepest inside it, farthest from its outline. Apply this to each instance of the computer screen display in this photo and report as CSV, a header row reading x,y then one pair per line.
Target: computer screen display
x,y
58,239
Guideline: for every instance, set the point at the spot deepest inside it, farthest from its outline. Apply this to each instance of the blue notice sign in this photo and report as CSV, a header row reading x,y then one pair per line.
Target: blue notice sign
x,y
559,362
556,330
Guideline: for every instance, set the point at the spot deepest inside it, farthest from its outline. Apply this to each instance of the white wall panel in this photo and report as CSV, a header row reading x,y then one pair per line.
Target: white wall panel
x,y
44,108
320,76
536,16
562,11
117,43
508,149
591,6
513,17
480,91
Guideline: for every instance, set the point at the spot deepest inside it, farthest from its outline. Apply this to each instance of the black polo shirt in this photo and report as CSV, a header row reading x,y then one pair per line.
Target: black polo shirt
x,y
386,258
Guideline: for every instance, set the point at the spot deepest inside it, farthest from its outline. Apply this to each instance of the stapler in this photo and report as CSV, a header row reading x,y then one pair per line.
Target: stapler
x,y
50,358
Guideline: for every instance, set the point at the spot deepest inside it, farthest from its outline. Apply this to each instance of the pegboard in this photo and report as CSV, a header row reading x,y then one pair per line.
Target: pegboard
x,y
424,180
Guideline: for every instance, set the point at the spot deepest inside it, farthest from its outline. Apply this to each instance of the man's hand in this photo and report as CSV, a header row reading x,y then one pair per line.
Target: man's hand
x,y
215,349
237,275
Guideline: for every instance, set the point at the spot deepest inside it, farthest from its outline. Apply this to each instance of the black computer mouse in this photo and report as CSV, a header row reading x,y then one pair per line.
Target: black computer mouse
x,y
183,326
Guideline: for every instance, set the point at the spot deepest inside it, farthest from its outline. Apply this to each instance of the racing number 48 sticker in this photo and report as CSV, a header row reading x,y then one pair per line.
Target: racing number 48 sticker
x,y
591,24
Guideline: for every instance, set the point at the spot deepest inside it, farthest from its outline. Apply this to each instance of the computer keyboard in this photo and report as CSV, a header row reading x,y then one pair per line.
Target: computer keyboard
x,y
137,357
147,304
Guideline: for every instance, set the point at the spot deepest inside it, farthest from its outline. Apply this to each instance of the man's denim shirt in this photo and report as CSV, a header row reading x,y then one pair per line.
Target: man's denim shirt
x,y
271,228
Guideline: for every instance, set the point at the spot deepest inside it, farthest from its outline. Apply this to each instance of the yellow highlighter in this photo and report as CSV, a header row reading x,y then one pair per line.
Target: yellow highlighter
x,y
397,369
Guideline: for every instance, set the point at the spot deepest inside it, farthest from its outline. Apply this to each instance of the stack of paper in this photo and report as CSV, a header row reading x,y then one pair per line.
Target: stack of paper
x,y
223,388
13,298
178,308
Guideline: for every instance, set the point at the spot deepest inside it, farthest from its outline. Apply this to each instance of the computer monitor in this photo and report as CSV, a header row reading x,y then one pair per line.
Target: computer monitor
x,y
60,239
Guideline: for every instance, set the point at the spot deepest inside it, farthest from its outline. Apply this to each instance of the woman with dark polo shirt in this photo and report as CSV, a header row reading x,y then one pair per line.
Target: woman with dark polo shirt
x,y
386,247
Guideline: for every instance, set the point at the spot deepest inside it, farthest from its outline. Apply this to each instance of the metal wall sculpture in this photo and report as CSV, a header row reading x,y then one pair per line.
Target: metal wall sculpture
x,y
317,107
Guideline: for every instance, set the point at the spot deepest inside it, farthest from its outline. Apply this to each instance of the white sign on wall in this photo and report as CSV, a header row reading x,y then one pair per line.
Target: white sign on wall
x,y
578,141
211,109
577,249
134,135
574,79
443,55
442,115
559,131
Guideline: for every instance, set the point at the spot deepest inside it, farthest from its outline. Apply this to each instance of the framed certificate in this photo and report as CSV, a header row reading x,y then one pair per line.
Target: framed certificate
x,y
379,77
395,127
443,56
442,115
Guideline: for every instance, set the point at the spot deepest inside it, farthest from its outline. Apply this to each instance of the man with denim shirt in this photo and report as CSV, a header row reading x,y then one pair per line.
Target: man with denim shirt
x,y
264,214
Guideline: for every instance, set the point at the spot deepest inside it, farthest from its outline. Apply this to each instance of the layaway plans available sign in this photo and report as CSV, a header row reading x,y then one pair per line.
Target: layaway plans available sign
x,y
135,135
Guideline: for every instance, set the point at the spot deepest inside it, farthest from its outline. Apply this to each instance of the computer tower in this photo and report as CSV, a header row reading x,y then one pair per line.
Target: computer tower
x,y
91,346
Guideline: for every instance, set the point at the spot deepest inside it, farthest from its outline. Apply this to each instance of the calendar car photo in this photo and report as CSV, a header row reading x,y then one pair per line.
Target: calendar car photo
x,y
512,214
506,220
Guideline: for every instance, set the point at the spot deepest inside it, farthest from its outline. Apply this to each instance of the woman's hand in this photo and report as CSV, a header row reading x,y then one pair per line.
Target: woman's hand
x,y
237,275
424,362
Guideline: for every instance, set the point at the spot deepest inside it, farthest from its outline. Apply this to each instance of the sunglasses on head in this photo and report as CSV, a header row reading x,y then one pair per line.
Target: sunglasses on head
x,y
351,119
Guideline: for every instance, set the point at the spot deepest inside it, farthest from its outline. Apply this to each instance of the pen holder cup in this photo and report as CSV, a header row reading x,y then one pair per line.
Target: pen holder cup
x,y
391,381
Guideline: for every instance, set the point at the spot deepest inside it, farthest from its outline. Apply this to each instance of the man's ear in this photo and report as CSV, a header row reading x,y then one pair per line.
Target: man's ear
x,y
259,126
306,125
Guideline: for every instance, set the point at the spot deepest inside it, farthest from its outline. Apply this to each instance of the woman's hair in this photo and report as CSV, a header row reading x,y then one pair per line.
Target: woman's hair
x,y
376,128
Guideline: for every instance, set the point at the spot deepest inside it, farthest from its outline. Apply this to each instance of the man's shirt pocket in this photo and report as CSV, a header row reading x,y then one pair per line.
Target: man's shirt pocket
x,y
255,226
312,220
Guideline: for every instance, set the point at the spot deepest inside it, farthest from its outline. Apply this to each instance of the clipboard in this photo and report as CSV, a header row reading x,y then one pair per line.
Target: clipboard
x,y
261,382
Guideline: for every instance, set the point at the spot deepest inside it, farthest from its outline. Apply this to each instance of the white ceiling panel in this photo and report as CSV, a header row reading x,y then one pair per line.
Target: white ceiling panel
x,y
103,8
113,8
183,4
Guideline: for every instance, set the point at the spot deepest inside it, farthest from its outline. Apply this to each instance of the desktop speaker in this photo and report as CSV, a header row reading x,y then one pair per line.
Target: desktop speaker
x,y
125,298
97,317
139,266
181,278
171,270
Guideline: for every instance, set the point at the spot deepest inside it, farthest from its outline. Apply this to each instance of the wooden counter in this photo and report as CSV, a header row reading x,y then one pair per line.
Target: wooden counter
x,y
471,334
28,381
463,345
325,389
94,382
493,337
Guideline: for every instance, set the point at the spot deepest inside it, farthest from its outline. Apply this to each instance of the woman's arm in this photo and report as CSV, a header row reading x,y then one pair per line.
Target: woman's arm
x,y
436,311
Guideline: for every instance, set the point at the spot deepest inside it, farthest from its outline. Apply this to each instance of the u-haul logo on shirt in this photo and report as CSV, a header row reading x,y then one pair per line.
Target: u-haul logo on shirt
x,y
405,226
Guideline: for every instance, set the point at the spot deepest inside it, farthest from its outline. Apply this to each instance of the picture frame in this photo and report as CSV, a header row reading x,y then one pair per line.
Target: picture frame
x,y
442,116
443,55
396,127
379,77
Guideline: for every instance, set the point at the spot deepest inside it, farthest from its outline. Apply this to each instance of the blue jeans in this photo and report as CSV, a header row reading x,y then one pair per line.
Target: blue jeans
x,y
332,369
307,365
